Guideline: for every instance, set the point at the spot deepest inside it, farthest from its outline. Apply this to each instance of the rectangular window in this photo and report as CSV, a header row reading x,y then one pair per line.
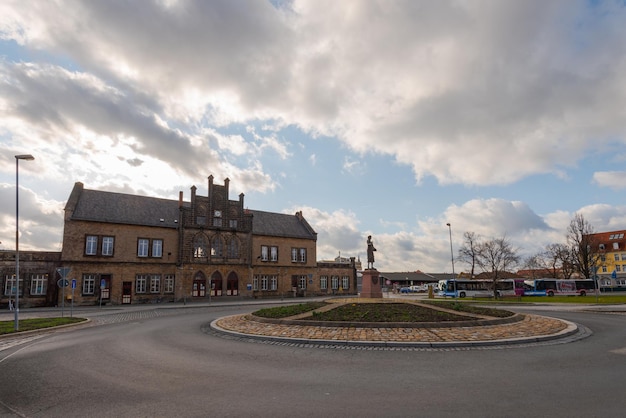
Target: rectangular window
x,y
273,253
623,256
264,282
334,282
603,257
91,245
157,248
107,246
616,245
89,284
618,267
168,284
616,257
141,281
232,223
38,284
142,247
324,282
603,269
9,285
264,253
255,283
217,218
298,255
273,283
345,282
302,282
155,283
201,220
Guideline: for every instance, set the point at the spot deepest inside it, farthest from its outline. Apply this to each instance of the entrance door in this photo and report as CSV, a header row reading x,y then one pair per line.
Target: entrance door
x,y
216,284
127,290
232,284
199,286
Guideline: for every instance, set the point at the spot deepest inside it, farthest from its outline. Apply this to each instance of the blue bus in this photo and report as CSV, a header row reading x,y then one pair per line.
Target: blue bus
x,y
551,287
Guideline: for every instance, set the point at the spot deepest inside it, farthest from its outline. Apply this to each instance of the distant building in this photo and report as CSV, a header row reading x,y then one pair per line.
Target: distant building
x,y
611,268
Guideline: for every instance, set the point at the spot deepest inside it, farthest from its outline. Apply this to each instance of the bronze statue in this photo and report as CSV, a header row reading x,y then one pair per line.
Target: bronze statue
x,y
370,252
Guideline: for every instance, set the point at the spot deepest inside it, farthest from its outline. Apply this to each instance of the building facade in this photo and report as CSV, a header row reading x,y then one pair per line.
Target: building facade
x,y
37,285
124,248
611,268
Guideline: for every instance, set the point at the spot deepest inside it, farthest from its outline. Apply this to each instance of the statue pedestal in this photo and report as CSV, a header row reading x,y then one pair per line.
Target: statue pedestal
x,y
371,286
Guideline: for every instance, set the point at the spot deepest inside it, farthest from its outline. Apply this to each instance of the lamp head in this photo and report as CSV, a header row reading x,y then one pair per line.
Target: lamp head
x,y
26,157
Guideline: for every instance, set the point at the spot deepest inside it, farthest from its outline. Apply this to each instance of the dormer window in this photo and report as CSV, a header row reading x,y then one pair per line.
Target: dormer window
x,y
602,246
616,245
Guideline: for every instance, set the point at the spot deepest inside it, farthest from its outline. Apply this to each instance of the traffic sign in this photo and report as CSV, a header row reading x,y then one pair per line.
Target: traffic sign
x,y
63,272
63,283
73,283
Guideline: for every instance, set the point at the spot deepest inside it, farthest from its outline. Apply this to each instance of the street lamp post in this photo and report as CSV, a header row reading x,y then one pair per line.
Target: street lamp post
x,y
26,157
452,259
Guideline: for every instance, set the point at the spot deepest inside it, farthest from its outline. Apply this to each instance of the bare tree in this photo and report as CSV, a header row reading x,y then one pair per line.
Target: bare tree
x,y
535,263
559,259
496,257
468,253
583,245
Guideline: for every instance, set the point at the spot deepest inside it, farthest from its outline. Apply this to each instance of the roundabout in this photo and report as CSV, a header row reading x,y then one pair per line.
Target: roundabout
x,y
476,331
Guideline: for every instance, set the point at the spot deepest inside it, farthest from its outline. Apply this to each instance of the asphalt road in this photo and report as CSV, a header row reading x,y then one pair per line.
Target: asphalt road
x,y
167,366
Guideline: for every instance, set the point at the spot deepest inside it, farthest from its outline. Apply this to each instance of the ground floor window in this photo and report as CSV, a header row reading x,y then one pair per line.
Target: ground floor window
x,y
38,284
255,283
264,282
302,282
345,282
155,283
141,281
273,282
168,284
324,282
89,284
334,282
9,285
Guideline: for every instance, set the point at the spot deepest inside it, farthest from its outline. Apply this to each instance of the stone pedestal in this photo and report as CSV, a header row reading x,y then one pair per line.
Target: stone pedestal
x,y
371,286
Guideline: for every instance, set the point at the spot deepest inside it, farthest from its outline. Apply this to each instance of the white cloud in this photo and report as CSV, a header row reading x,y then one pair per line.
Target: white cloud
x,y
611,179
476,93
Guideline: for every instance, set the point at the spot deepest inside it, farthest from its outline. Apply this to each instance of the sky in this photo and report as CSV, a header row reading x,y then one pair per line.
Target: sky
x,y
387,118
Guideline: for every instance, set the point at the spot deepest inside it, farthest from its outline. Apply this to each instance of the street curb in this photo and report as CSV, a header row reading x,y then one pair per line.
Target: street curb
x,y
571,330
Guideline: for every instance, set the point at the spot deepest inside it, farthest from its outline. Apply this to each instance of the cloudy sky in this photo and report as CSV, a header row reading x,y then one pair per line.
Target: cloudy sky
x,y
390,118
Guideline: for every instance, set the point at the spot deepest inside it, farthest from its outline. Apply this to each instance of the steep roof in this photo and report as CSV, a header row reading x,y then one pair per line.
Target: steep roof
x,y
281,225
119,208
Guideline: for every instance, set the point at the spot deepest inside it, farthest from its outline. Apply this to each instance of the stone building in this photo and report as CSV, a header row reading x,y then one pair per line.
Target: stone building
x,y
124,248
38,278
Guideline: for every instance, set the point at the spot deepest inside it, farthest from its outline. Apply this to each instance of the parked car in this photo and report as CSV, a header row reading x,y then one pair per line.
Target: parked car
x,y
419,289
405,290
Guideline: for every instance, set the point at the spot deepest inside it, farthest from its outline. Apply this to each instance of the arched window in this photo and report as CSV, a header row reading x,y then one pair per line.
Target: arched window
x,y
217,247
233,247
199,247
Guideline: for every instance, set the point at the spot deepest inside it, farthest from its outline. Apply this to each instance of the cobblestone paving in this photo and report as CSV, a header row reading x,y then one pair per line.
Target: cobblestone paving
x,y
531,330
